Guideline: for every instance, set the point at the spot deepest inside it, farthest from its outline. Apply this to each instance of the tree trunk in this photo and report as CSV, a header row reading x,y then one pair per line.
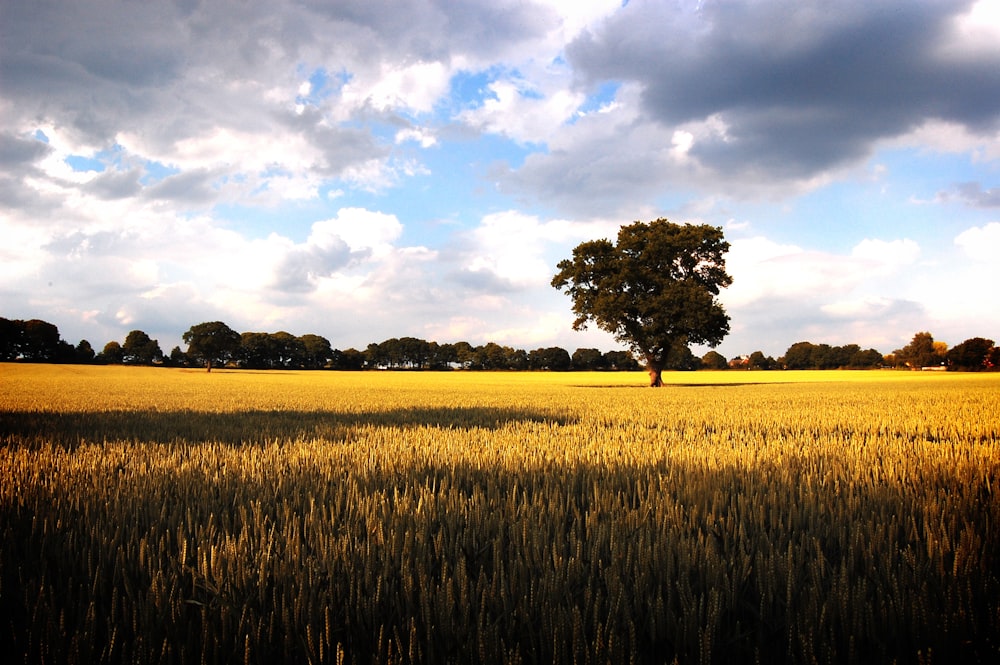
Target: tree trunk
x,y
208,365
655,369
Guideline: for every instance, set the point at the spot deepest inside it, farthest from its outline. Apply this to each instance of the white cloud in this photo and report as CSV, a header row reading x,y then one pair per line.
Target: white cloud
x,y
974,33
508,245
361,229
950,138
762,269
522,113
886,255
246,151
517,248
415,88
981,243
865,307
577,16
425,138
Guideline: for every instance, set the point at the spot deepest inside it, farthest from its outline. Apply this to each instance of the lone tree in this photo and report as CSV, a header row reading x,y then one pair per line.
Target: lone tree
x,y
212,342
654,290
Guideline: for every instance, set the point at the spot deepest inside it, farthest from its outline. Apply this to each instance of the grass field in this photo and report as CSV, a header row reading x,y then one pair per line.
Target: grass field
x,y
154,515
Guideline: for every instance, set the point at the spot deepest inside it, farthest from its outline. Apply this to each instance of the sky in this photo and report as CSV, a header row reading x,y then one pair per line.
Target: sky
x,y
367,169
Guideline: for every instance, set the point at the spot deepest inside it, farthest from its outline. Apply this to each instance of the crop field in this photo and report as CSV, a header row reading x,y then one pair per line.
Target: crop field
x,y
152,515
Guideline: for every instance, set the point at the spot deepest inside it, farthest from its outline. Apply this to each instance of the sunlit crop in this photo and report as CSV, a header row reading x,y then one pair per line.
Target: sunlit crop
x,y
169,516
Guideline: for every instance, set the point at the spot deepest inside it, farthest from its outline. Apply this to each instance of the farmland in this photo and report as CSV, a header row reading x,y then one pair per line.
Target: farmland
x,y
155,515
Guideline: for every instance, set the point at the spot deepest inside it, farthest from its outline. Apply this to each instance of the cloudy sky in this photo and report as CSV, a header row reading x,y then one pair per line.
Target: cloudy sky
x,y
366,169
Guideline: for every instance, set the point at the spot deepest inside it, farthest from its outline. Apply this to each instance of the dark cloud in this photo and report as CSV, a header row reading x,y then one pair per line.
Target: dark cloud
x,y
480,282
88,64
301,266
801,86
434,29
111,185
191,187
17,151
973,194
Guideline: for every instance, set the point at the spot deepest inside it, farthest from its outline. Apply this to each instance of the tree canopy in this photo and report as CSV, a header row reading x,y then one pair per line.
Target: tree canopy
x,y
212,342
139,349
654,290
921,352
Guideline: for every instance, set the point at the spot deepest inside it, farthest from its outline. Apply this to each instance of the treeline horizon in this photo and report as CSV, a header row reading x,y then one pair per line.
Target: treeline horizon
x,y
36,340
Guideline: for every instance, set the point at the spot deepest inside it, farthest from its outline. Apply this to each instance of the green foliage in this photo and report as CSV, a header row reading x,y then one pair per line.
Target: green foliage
x,y
920,352
714,360
806,355
33,341
971,355
212,343
551,358
588,359
112,353
653,289
139,349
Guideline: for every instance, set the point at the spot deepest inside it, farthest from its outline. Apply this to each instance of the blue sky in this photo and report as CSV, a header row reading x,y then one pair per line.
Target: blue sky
x,y
366,170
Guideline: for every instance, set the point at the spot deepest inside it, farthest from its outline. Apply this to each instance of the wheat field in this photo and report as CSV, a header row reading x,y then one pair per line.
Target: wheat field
x,y
153,515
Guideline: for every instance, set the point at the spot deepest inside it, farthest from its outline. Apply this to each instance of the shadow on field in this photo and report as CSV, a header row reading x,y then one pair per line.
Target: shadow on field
x,y
245,427
674,561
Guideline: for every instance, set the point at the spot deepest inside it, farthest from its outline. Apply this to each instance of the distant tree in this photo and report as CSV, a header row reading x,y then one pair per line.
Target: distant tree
x,y
413,352
84,352
39,341
588,359
256,350
212,343
971,355
65,353
680,358
654,289
714,360
465,354
491,356
824,357
441,356
842,356
920,352
375,357
806,355
139,349
289,351
866,359
178,358
799,356
401,352
758,360
112,354
552,358
10,338
317,351
348,359
516,359
621,361
993,358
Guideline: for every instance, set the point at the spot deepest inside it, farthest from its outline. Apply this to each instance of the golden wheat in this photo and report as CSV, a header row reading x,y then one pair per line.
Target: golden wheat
x,y
152,515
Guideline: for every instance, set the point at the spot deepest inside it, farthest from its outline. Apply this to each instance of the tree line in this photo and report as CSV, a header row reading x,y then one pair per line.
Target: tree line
x,y
216,344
